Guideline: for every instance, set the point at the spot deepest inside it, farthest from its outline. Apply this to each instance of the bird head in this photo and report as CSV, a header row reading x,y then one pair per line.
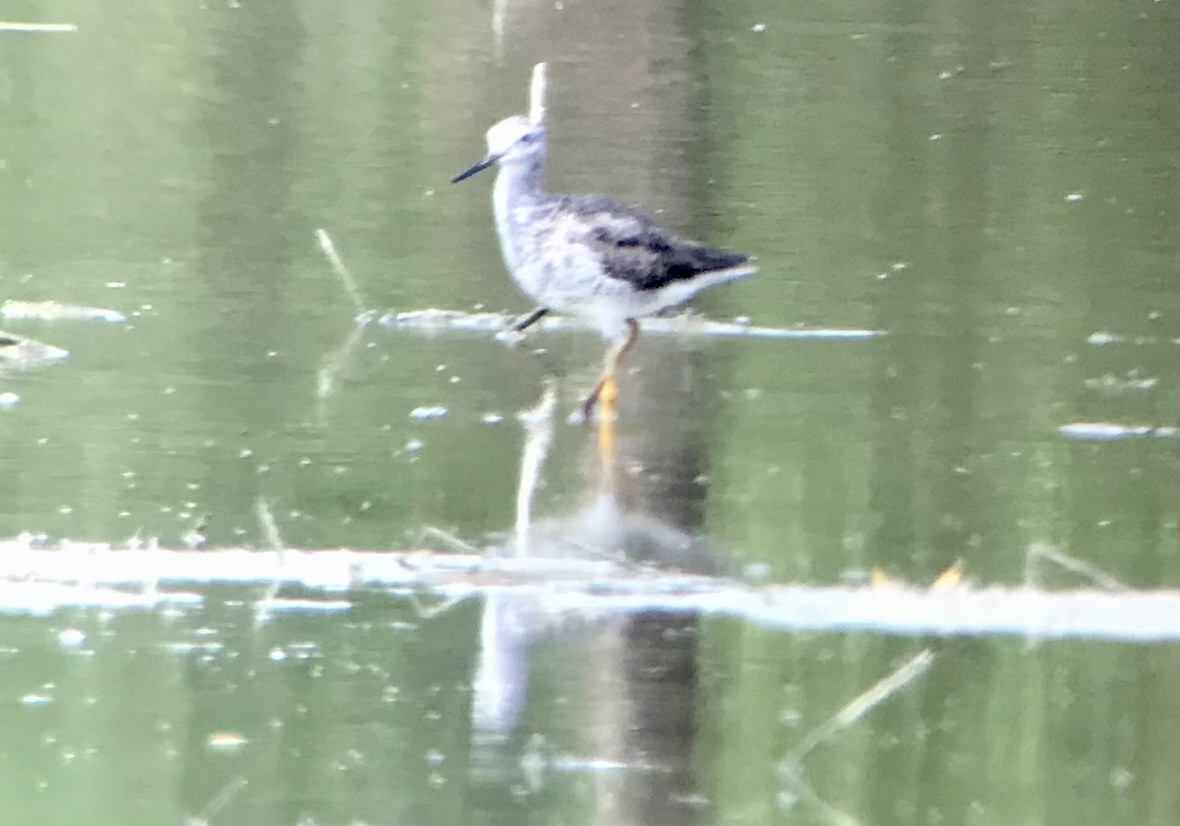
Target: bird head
x,y
512,140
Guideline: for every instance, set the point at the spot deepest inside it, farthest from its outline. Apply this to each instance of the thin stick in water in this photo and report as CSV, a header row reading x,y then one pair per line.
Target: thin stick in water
x,y
342,271
885,688
1078,566
538,435
220,800
328,377
270,529
805,792
457,544
537,95
270,532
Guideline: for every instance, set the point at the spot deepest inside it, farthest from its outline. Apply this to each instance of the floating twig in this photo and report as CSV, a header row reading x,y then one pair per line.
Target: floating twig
x,y
803,790
328,377
219,801
342,271
884,688
270,529
537,95
1078,566
270,533
538,430
456,543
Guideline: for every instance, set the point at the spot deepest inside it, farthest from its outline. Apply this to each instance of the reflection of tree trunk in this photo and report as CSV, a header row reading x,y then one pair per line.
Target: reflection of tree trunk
x,y
622,124
927,399
244,222
244,233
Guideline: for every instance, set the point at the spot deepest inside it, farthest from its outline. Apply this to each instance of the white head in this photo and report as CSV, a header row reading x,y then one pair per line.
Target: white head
x,y
511,141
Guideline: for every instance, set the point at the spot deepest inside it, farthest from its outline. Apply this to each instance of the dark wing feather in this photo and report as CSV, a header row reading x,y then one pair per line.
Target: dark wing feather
x,y
639,251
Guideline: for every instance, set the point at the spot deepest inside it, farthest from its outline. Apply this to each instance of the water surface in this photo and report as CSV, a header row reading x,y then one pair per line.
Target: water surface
x,y
992,186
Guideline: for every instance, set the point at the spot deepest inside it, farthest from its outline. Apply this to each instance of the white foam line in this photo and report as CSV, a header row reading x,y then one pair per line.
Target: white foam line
x,y
436,320
40,580
56,28
1112,432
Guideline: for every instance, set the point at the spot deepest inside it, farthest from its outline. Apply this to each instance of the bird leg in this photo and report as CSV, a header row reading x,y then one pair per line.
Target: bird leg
x,y
522,324
608,388
606,433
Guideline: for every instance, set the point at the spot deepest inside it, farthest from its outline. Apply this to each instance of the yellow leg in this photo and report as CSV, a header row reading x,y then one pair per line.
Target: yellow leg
x,y
606,428
607,384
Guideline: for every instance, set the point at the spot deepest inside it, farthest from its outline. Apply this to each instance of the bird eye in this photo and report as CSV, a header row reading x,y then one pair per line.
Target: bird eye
x,y
527,137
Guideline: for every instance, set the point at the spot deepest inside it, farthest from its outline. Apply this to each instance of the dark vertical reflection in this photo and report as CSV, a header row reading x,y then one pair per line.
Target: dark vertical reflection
x,y
661,676
1121,498
929,501
964,285
244,246
247,232
626,121
894,471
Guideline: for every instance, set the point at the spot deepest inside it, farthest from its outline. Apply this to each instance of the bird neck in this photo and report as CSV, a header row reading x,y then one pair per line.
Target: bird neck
x,y
515,199
521,181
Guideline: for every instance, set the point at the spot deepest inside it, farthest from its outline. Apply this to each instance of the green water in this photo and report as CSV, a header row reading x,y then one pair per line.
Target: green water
x,y
994,186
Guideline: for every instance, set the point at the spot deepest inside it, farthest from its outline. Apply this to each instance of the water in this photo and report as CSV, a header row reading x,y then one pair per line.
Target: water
x,y
993,186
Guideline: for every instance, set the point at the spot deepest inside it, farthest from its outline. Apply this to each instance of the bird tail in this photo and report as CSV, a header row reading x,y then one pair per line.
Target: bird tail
x,y
709,260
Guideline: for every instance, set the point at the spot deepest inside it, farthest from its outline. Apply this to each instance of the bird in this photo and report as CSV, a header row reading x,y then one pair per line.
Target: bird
x,y
590,255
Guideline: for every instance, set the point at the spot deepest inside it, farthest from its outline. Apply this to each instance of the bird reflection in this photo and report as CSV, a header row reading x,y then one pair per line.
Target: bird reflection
x,y
513,622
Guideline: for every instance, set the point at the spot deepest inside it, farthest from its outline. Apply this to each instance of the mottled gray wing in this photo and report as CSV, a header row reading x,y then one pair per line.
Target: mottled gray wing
x,y
638,251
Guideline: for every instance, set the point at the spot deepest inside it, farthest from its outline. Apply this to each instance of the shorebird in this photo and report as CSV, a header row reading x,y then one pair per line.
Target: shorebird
x,y
587,254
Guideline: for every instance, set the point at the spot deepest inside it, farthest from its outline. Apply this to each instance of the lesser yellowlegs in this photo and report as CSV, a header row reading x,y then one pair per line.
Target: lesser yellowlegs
x,y
587,254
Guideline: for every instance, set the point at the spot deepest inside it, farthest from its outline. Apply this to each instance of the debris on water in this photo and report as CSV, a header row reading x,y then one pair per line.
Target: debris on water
x,y
756,572
1110,431
38,28
70,638
56,311
758,28
301,606
1112,384
226,741
428,412
1102,337
1121,778
435,320
9,399
24,353
414,445
510,337
36,700
492,418
1073,197
786,800
196,536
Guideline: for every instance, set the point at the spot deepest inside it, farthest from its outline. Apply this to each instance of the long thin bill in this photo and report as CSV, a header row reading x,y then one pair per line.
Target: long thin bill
x,y
467,173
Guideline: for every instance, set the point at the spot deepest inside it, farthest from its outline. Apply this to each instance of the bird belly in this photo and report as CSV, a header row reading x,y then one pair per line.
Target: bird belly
x,y
561,280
